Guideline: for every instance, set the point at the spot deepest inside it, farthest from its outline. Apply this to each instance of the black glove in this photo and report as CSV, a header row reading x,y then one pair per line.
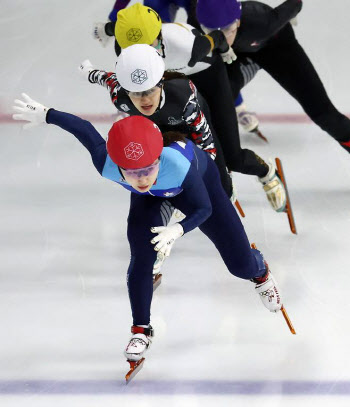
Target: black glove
x,y
201,48
203,44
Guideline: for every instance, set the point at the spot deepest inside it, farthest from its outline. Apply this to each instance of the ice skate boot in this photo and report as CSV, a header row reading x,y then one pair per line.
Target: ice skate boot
x,y
234,199
249,121
178,215
268,290
274,189
137,346
157,275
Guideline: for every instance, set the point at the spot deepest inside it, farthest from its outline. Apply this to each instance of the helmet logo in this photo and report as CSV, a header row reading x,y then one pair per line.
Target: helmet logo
x,y
139,76
134,34
133,151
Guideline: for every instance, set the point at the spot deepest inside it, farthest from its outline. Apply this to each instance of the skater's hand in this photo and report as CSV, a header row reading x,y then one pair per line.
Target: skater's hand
x,y
85,68
228,56
30,110
166,237
99,34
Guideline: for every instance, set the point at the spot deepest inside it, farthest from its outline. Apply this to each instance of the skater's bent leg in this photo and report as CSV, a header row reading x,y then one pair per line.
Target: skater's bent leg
x,y
145,212
213,83
225,178
286,61
226,231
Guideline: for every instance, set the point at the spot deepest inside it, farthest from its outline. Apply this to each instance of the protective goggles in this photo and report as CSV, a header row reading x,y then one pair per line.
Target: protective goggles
x,y
141,172
148,92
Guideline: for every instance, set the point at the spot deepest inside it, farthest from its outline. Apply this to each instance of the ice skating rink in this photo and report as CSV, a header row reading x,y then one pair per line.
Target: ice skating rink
x,y
64,310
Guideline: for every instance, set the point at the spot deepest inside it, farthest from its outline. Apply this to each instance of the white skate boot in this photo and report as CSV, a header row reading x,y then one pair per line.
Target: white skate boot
x,y
157,275
139,342
248,120
161,257
178,215
269,293
274,188
158,263
137,346
233,198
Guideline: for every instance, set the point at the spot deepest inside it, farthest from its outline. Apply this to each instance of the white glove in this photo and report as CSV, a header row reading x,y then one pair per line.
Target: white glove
x,y
100,35
85,68
166,237
228,56
30,110
294,21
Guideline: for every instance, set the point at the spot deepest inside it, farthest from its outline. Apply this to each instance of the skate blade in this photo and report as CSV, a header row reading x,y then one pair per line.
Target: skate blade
x,y
288,208
239,208
288,321
258,133
157,279
135,367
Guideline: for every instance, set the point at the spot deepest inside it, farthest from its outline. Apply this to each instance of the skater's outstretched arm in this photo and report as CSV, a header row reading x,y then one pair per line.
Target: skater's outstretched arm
x,y
108,80
35,113
84,131
103,78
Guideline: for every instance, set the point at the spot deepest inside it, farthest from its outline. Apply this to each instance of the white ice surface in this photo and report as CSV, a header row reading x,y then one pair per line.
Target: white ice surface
x,y
64,310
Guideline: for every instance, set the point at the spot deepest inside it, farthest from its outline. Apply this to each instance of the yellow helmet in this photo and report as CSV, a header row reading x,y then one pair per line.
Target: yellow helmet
x,y
137,24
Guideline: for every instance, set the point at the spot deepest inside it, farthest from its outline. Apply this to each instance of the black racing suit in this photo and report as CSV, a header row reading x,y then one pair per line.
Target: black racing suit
x,y
266,40
181,108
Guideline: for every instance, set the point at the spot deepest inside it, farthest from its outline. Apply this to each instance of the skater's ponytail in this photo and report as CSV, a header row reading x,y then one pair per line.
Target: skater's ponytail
x,y
168,75
172,136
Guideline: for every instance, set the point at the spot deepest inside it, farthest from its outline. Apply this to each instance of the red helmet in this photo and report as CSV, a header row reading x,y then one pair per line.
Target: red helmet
x,y
134,142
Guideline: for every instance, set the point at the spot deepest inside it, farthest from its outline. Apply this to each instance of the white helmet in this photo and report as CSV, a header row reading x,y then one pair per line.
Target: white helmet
x,y
139,68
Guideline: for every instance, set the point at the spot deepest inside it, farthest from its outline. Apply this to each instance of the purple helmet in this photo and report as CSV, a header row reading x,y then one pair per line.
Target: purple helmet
x,y
218,13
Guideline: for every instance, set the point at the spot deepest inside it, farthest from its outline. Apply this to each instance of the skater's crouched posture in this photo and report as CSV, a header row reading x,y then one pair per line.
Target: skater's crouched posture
x,y
179,173
263,38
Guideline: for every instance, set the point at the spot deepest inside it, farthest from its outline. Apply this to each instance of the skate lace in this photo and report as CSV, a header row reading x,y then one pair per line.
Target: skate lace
x,y
135,341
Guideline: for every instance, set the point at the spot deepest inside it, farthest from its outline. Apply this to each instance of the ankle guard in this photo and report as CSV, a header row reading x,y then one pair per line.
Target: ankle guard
x,y
263,268
140,330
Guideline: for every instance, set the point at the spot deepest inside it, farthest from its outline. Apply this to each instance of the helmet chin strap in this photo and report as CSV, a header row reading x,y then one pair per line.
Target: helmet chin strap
x,y
160,47
161,100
